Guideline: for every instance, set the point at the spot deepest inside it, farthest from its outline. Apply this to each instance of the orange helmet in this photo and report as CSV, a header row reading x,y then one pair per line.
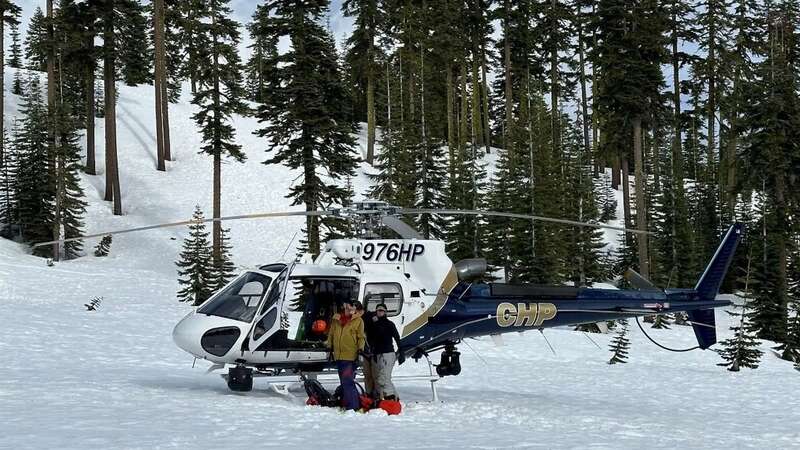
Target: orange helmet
x,y
319,326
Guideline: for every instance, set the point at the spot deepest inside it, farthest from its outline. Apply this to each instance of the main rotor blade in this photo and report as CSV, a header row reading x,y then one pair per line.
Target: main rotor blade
x,y
191,221
638,281
398,226
476,212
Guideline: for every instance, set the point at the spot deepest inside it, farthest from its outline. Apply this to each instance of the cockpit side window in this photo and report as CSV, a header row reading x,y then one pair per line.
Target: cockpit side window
x,y
240,300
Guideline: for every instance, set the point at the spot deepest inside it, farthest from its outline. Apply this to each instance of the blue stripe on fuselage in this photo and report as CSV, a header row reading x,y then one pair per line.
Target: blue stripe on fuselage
x,y
471,310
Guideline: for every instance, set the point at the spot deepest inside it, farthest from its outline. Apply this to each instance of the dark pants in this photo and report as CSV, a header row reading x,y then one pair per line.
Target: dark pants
x,y
347,378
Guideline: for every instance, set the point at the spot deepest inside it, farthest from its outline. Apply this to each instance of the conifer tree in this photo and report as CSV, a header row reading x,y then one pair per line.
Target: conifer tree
x,y
15,58
68,192
103,247
620,345
261,68
608,201
8,182
583,245
790,348
308,123
661,321
189,37
361,56
34,44
223,269
9,15
771,155
219,95
195,267
35,186
742,349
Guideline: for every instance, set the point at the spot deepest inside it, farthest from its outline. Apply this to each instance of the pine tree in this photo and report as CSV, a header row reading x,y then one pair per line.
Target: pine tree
x,y
35,186
608,201
69,194
790,348
620,345
190,38
103,247
223,269
9,15
308,122
34,44
771,155
195,267
9,206
661,321
629,91
262,67
361,57
219,95
15,59
583,245
742,349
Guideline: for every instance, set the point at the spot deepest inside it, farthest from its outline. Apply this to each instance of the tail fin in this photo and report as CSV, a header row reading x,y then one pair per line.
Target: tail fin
x,y
708,286
703,321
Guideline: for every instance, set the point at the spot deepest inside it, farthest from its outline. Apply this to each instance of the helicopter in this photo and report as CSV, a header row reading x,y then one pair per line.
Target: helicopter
x,y
266,320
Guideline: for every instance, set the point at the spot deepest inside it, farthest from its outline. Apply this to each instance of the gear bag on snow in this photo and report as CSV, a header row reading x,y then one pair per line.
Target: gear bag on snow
x,y
318,395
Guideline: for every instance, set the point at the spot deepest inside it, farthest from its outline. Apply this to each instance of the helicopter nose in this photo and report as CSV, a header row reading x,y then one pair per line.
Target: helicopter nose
x,y
187,334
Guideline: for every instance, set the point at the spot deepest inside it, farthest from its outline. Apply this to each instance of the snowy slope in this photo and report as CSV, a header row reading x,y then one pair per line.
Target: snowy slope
x,y
114,379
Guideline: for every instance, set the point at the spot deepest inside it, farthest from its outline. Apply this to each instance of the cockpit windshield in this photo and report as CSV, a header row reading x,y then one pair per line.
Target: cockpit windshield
x,y
239,301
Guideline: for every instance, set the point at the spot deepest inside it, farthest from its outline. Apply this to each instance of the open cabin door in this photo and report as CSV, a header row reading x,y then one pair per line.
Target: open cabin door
x,y
267,320
269,339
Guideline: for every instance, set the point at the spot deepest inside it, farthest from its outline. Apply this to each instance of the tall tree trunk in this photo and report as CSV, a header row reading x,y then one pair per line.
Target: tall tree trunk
x,y
677,152
626,191
51,121
487,132
110,99
477,122
584,100
711,105
641,213
310,199
158,25
655,157
452,142
216,231
463,129
90,142
507,63
370,102
165,117
556,115
599,163
729,185
615,172
3,87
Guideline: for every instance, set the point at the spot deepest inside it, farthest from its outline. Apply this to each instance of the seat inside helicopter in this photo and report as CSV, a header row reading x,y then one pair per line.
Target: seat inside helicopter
x,y
312,300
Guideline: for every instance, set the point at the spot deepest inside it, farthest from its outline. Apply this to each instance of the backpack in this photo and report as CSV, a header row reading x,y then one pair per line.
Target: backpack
x,y
317,394
364,399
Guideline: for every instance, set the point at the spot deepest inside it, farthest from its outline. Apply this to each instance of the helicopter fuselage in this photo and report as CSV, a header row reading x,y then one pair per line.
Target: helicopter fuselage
x,y
266,317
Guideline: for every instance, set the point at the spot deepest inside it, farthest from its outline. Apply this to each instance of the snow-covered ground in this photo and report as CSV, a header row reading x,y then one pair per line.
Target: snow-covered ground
x,y
112,378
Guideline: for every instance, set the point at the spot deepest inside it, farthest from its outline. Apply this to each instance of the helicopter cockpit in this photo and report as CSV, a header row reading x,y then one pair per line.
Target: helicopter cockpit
x,y
240,299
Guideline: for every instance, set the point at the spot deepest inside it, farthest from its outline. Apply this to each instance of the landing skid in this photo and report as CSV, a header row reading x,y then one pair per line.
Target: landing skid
x,y
283,384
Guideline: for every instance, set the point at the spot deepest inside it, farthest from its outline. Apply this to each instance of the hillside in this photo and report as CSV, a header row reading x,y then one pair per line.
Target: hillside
x,y
114,379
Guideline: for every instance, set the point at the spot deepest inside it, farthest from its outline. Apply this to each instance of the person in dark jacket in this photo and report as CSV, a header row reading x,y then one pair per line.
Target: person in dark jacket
x,y
380,333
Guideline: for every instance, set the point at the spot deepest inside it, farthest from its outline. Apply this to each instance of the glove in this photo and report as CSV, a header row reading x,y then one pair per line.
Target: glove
x,y
401,358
